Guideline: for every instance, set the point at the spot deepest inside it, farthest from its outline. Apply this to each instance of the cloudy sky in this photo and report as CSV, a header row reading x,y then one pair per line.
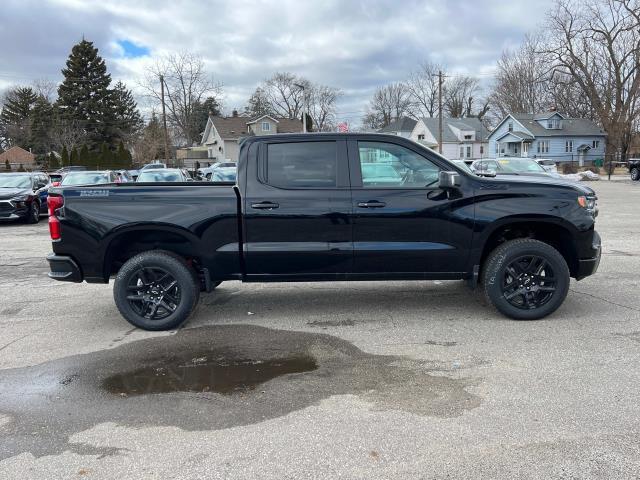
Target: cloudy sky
x,y
355,45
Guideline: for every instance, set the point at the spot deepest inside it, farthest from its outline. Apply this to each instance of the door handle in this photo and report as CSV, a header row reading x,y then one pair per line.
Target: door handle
x,y
372,204
265,205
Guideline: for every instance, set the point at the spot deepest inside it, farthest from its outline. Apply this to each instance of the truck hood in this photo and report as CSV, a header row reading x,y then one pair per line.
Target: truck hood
x,y
541,180
9,193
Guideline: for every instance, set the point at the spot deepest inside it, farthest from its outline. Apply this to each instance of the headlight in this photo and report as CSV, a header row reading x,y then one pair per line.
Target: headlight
x,y
589,203
20,198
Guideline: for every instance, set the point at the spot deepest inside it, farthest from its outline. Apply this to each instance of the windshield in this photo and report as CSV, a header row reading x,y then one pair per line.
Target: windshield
x,y
15,181
166,175
224,175
154,165
519,166
226,165
85,178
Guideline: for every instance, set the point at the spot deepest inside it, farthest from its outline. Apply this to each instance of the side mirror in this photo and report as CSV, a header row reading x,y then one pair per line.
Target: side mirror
x,y
448,180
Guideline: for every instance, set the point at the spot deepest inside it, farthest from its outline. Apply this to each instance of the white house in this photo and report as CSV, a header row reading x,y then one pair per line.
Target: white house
x,y
222,135
462,138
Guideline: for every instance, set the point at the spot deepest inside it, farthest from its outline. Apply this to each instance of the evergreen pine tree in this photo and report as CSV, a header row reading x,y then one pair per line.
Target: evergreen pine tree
x,y
15,119
84,95
200,115
128,121
106,157
21,168
64,156
83,157
7,165
41,127
123,157
73,158
53,160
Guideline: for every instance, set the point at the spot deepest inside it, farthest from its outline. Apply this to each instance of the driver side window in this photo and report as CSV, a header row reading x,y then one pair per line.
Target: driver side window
x,y
387,165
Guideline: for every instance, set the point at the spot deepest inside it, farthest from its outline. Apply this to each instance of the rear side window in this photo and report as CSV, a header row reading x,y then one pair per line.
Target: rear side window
x,y
302,164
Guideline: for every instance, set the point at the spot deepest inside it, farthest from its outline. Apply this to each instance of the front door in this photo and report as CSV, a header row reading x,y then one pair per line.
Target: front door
x,y
297,215
403,223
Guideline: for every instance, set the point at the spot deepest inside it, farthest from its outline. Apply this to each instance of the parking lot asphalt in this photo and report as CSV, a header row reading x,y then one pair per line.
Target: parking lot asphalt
x,y
356,380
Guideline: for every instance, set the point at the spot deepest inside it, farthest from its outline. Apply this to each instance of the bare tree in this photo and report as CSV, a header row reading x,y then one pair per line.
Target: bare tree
x,y
460,93
187,85
285,92
45,88
387,104
521,82
68,133
321,103
422,86
596,45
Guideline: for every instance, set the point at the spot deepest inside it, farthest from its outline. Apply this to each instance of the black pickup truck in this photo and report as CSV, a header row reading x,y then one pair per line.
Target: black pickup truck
x,y
326,207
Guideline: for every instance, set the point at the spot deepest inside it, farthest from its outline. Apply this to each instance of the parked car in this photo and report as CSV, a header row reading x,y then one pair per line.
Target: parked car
x,y
162,175
509,166
207,172
153,165
134,174
304,210
224,175
71,168
89,178
23,196
634,168
549,165
123,176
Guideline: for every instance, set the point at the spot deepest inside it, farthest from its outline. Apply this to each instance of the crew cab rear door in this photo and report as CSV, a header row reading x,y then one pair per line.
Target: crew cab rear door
x,y
403,224
297,210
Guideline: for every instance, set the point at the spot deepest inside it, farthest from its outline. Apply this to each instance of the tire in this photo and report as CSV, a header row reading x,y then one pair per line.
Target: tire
x,y
33,216
514,279
635,174
156,290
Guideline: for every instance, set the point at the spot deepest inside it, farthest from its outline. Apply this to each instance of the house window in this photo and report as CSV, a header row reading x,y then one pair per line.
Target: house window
x,y
596,143
481,149
511,126
461,152
525,148
543,146
467,137
469,151
568,146
497,148
210,153
421,136
266,127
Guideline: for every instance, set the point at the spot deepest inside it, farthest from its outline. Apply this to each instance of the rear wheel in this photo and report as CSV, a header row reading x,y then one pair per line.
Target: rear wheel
x,y
526,279
156,290
635,174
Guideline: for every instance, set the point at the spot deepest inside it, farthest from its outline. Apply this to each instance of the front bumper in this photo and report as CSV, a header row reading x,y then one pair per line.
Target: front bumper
x,y
589,266
63,268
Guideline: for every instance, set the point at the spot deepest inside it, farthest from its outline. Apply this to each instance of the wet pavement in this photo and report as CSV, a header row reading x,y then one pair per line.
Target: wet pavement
x,y
411,380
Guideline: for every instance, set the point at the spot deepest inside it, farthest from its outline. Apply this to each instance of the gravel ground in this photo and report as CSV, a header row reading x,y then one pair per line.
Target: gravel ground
x,y
382,380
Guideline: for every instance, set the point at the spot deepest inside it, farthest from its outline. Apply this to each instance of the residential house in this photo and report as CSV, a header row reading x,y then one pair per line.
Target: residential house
x,y
462,138
222,135
548,135
402,127
18,156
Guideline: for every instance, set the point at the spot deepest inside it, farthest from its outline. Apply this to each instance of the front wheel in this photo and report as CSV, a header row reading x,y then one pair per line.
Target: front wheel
x,y
526,279
33,215
635,174
156,290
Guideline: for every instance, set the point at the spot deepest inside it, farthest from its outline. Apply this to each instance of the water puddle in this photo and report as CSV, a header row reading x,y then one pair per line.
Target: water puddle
x,y
205,372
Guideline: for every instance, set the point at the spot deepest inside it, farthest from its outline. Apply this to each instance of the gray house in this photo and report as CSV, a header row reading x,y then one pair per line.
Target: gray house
x,y
402,127
548,135
462,138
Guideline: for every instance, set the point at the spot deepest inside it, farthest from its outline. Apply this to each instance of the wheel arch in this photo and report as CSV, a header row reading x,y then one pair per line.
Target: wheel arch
x,y
556,232
124,243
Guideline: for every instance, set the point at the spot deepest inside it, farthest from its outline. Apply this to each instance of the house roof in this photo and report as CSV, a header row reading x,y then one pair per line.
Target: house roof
x,y
517,134
402,124
549,114
570,126
448,135
260,118
232,128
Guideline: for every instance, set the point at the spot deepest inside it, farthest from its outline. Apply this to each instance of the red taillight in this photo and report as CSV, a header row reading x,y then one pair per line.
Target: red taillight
x,y
54,203
55,184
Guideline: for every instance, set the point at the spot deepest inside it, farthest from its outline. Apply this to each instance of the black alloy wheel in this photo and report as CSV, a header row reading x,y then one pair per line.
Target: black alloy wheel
x,y
635,174
154,293
528,282
525,279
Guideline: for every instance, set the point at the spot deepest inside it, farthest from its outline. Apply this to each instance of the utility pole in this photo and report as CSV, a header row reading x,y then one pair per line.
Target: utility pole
x,y
164,121
440,111
304,106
